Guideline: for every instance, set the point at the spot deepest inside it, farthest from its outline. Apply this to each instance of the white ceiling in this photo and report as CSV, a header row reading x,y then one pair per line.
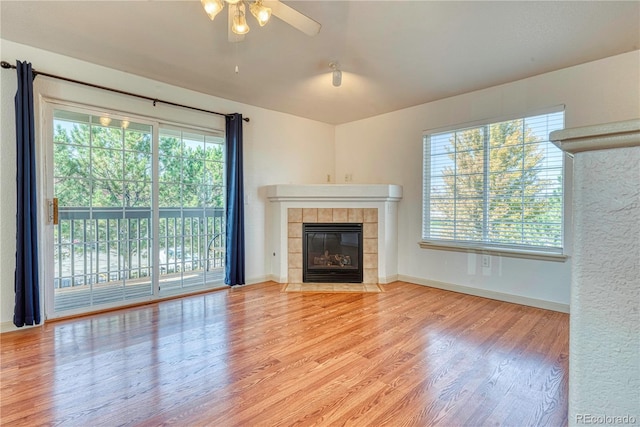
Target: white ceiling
x,y
394,54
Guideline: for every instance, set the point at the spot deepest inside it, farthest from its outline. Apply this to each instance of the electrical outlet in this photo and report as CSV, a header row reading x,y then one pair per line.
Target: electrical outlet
x,y
486,261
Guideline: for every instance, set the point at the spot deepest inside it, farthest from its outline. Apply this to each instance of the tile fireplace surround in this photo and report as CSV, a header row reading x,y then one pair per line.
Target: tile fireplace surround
x,y
373,205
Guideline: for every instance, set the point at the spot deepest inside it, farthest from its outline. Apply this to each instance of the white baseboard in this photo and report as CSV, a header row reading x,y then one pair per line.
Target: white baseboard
x,y
500,296
9,327
388,279
261,279
274,278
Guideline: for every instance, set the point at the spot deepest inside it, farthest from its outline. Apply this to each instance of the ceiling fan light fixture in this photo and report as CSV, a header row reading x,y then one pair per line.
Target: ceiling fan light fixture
x,y
237,21
239,25
261,12
212,7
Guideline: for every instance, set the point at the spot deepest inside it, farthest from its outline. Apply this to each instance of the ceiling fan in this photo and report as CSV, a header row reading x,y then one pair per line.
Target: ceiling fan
x,y
262,11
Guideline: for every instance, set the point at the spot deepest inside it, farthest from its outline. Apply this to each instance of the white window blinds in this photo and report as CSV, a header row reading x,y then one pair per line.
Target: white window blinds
x,y
498,184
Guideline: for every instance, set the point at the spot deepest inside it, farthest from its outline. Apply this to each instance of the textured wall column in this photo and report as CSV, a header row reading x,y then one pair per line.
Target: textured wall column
x,y
604,349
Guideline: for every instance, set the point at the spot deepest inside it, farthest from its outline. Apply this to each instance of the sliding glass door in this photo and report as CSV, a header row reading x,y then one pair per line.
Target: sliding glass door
x,y
140,210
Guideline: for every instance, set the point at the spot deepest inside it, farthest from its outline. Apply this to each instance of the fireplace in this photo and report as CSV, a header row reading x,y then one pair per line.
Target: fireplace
x,y
332,252
375,206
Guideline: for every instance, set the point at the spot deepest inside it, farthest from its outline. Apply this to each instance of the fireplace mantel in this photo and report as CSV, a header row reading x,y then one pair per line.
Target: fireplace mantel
x,y
317,200
335,192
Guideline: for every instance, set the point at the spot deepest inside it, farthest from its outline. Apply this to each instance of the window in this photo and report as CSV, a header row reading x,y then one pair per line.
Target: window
x,y
496,186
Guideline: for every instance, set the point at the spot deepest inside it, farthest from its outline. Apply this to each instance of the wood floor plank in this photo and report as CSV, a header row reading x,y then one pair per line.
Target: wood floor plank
x,y
254,355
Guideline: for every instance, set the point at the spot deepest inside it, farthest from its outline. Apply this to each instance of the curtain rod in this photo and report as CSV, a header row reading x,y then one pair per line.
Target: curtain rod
x,y
7,66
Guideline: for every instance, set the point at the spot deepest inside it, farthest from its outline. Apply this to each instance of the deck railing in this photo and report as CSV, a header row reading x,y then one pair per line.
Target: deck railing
x,y
96,245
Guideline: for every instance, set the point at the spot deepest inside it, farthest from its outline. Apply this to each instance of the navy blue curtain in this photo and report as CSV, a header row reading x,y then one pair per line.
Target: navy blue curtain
x,y
27,307
234,258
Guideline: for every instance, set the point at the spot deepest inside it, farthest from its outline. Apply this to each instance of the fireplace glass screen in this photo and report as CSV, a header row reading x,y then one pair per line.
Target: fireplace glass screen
x,y
332,252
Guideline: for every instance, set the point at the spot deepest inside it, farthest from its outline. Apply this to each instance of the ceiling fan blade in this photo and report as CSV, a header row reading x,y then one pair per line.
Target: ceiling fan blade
x,y
233,37
293,17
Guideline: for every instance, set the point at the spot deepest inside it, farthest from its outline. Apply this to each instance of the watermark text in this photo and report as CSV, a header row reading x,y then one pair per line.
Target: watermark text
x,y
605,419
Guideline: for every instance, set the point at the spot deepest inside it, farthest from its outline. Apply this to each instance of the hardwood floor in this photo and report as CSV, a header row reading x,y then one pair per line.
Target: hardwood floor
x,y
254,356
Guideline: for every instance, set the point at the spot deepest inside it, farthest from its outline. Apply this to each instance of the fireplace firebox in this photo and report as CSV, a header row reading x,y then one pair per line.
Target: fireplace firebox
x,y
332,252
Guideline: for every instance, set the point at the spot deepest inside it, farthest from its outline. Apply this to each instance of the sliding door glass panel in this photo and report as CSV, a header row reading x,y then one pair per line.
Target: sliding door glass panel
x,y
191,209
103,182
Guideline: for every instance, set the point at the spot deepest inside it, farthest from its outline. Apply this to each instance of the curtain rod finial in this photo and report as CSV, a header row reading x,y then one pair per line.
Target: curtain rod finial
x,y
6,65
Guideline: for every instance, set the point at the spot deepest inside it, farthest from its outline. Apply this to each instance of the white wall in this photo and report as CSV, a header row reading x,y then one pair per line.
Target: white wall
x,y
278,148
389,150
605,338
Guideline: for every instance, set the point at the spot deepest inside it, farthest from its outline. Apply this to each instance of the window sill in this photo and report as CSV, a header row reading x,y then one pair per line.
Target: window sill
x,y
485,250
